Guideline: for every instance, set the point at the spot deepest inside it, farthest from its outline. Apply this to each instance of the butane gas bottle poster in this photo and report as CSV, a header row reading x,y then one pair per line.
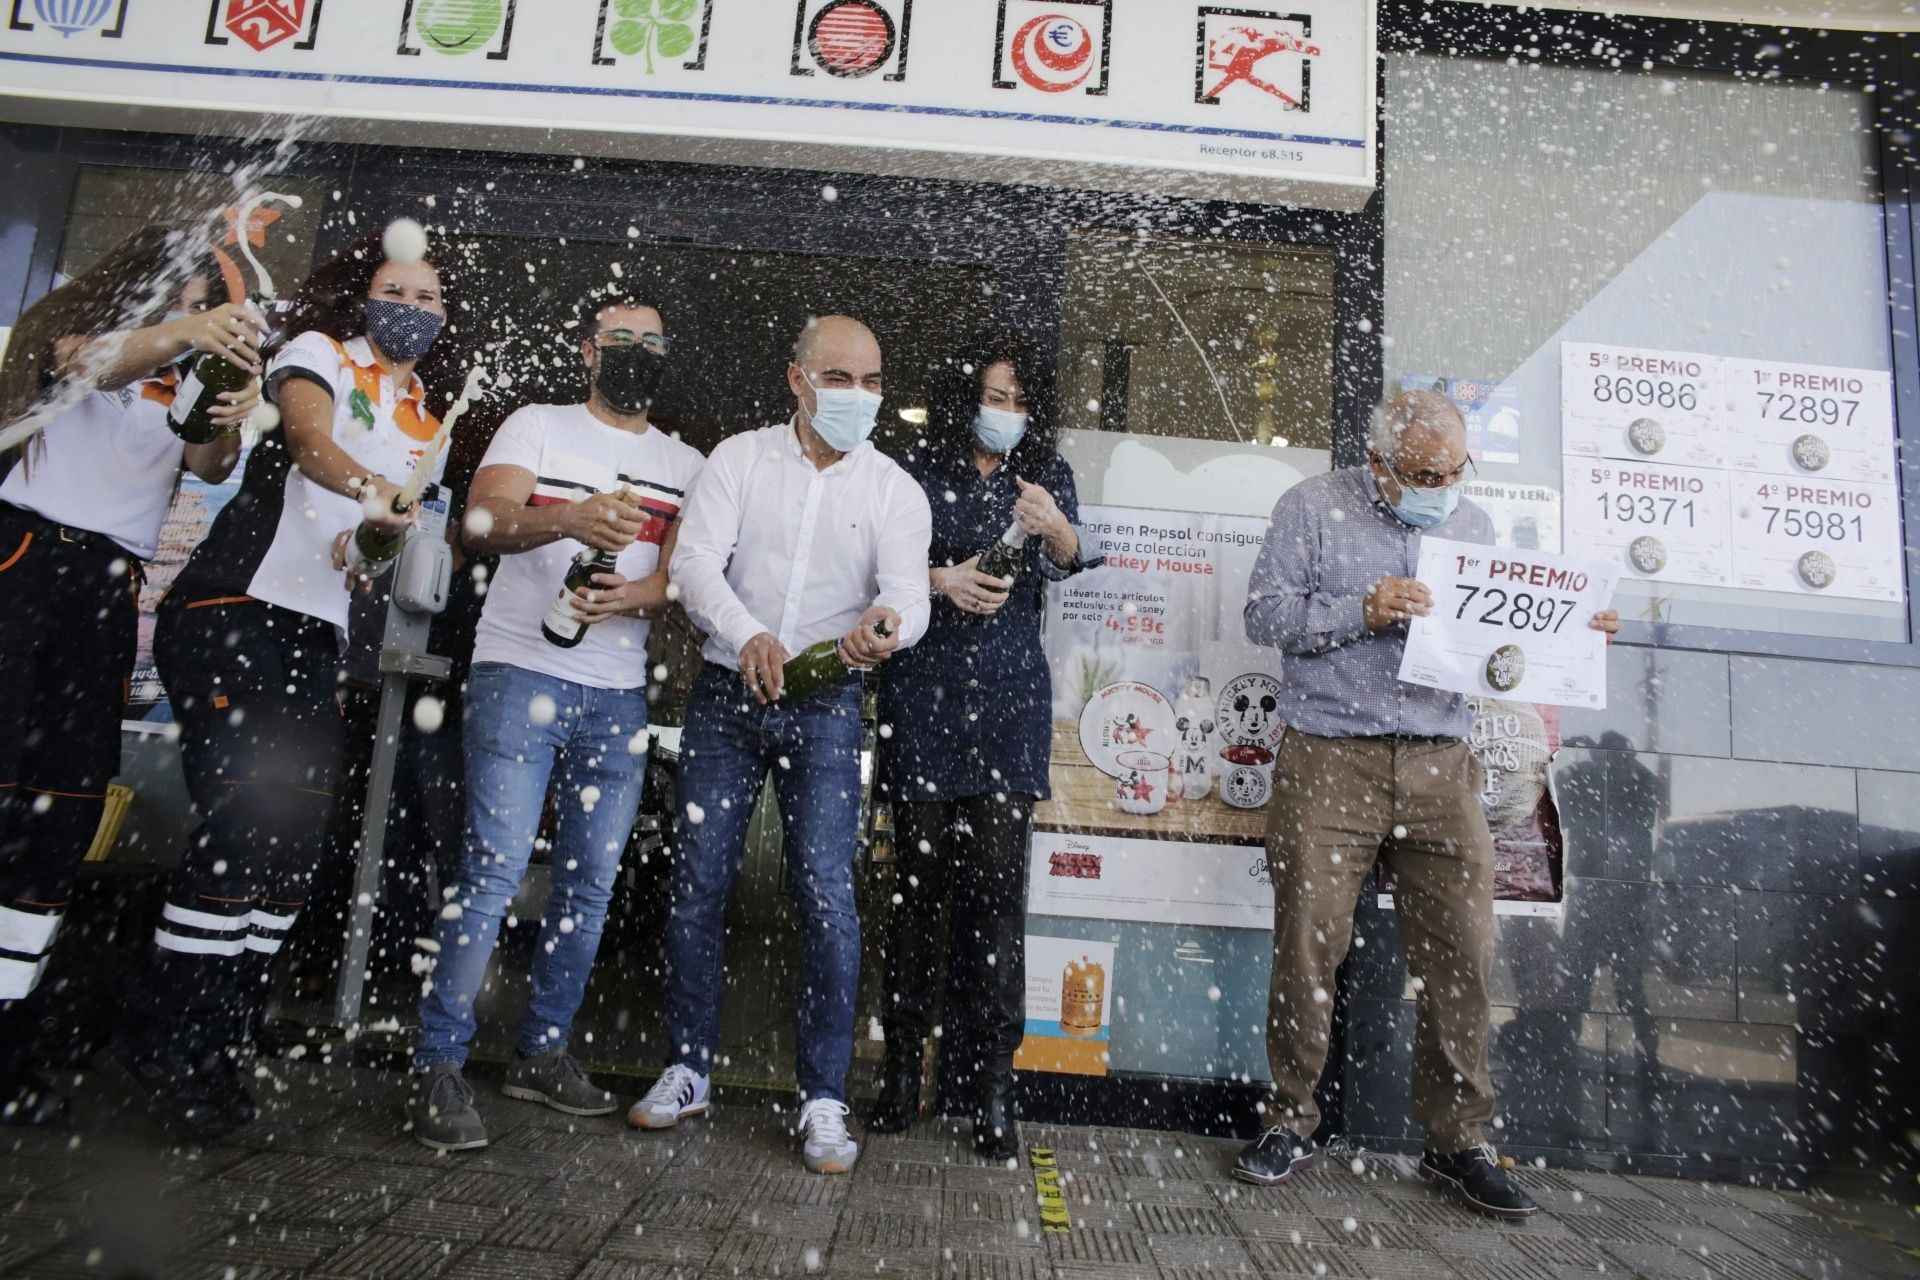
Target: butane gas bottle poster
x,y
1164,728
1069,1002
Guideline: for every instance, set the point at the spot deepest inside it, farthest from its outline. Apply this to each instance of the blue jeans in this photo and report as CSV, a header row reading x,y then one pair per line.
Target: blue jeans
x,y
729,744
509,762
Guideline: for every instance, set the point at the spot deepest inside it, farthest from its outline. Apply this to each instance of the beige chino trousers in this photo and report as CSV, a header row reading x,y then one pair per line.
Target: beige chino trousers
x,y
1339,804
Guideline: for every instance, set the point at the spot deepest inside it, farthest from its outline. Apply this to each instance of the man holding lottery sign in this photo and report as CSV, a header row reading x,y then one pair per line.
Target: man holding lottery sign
x,y
1374,767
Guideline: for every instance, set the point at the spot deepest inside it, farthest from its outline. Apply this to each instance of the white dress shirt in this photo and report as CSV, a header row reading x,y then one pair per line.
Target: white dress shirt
x,y
769,542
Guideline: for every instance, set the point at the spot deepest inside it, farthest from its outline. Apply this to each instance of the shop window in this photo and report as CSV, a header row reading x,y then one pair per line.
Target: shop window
x,y
1195,375
1663,301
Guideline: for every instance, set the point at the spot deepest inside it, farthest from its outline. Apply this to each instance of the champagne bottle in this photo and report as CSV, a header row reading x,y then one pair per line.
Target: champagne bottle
x,y
1002,559
198,395
560,626
370,550
815,669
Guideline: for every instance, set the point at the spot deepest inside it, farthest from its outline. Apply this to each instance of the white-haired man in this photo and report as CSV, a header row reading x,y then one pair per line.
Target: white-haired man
x,y
1372,768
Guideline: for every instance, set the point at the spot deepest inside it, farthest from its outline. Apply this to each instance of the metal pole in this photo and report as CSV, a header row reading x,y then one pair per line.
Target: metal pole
x,y
418,581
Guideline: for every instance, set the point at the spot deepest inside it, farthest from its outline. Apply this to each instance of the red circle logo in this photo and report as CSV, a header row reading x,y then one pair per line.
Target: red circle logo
x,y
1053,53
851,37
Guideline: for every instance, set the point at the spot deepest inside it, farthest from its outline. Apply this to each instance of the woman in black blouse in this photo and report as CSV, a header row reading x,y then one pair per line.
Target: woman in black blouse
x,y
968,729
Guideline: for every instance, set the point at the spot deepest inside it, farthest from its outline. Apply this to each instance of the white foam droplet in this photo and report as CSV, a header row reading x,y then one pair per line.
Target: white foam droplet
x,y
589,795
542,710
479,522
265,417
695,814
404,241
429,714
1399,831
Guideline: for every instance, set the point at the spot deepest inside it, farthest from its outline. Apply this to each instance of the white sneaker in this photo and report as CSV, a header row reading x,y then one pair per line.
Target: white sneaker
x,y
827,1146
678,1093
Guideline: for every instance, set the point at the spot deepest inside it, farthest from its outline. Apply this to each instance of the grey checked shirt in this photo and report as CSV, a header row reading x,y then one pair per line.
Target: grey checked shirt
x,y
1331,539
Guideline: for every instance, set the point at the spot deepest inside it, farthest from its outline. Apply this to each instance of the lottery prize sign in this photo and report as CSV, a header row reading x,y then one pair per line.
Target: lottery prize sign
x,y
1664,523
1817,538
1624,402
1804,420
1510,624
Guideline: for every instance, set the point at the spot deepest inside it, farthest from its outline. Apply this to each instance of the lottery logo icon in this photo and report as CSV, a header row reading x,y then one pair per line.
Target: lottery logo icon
x,y
1506,668
1053,53
851,38
455,28
71,17
1646,436
1817,569
264,23
1254,50
1646,554
1810,453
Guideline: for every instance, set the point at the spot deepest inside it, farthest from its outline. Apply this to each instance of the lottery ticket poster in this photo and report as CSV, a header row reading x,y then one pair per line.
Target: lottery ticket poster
x,y
1659,523
1817,537
1510,624
1632,403
1491,409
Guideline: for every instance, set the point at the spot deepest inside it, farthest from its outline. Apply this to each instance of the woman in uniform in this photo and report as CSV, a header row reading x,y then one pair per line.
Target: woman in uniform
x,y
97,361
247,647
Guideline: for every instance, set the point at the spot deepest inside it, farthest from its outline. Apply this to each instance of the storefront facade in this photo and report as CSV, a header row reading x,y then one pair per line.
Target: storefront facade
x,y
1725,980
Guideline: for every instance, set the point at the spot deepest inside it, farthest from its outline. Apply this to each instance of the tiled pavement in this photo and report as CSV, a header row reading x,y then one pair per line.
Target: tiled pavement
x,y
325,1185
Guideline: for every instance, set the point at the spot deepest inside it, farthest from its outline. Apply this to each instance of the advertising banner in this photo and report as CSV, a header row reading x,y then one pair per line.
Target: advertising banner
x,y
1212,101
1164,728
1069,995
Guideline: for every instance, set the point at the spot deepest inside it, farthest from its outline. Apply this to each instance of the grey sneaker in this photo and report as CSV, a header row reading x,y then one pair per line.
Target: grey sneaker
x,y
440,1110
557,1080
826,1146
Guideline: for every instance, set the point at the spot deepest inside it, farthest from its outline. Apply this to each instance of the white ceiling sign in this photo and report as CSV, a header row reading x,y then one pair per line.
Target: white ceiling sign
x,y
1267,103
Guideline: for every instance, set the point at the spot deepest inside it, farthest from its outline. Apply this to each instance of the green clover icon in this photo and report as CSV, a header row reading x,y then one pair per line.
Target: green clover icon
x,y
652,26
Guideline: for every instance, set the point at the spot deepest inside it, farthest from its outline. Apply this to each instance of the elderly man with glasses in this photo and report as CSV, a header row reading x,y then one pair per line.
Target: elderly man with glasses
x,y
1374,769
557,699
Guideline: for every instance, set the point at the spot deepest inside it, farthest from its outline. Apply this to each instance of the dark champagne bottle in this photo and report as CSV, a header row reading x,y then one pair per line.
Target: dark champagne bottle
x,y
814,669
371,550
198,395
1002,559
560,626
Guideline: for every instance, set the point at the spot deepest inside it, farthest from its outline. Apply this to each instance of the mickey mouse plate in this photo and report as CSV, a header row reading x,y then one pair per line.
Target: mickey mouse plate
x,y
1125,716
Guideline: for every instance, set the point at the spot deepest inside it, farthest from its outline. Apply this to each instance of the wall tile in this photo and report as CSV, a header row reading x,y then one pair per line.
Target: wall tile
x,y
1799,955
1746,824
1706,1089
1830,713
1890,835
1671,700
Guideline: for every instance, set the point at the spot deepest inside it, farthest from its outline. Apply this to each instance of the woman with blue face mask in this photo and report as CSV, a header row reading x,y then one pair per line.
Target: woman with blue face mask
x,y
246,643
969,720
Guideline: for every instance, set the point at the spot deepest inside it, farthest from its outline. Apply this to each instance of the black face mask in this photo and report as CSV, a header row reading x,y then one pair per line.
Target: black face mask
x,y
629,376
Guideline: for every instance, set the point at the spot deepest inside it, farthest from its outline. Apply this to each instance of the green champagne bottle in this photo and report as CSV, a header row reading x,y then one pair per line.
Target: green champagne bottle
x,y
815,669
198,395
370,550
1002,559
560,626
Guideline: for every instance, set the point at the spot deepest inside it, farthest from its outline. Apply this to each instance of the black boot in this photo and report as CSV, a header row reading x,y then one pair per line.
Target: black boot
x,y
26,1097
898,1105
1002,979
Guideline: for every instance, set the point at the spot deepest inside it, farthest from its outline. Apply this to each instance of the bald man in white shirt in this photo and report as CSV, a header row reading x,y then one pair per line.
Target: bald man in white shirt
x,y
794,534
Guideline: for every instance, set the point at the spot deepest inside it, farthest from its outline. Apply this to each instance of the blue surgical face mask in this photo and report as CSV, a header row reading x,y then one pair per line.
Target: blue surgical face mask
x,y
999,430
1425,508
402,331
844,416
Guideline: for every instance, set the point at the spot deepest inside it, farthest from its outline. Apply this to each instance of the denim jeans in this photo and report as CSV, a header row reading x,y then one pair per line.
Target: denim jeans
x,y
729,744
510,758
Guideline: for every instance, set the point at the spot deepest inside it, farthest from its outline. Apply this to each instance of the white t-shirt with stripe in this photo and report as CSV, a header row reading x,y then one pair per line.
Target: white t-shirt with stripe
x,y
574,455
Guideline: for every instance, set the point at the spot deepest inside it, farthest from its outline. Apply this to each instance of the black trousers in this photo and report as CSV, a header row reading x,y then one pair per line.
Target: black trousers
x,y
66,648
969,856
253,688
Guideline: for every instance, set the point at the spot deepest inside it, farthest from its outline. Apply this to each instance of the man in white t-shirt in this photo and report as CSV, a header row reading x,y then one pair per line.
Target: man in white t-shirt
x,y
557,696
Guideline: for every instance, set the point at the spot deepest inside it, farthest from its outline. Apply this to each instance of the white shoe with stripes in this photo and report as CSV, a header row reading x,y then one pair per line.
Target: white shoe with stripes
x,y
678,1093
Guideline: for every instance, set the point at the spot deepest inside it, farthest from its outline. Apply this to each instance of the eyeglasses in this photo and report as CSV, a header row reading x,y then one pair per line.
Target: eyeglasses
x,y
1431,479
658,343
